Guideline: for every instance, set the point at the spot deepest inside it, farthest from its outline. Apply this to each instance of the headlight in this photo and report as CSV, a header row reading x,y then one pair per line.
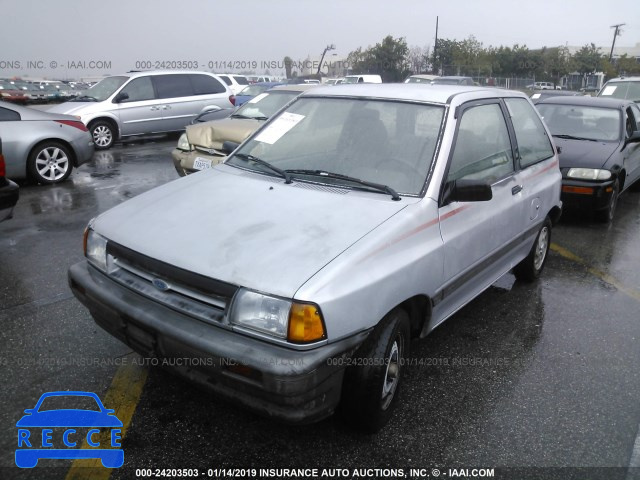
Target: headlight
x,y
96,249
277,317
183,143
589,174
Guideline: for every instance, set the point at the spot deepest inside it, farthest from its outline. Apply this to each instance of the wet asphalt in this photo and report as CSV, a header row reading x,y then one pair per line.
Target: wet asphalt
x,y
528,375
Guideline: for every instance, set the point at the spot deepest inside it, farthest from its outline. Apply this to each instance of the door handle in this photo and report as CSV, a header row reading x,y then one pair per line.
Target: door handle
x,y
166,107
155,107
517,189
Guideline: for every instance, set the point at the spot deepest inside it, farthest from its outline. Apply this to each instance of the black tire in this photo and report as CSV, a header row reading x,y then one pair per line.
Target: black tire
x,y
50,162
606,215
531,267
372,383
103,134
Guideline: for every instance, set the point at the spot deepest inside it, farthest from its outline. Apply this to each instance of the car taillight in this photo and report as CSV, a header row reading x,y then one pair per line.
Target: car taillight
x,y
74,123
3,171
232,99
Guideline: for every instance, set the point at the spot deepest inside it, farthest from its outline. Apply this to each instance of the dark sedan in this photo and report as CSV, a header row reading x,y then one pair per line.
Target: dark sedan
x,y
600,143
8,191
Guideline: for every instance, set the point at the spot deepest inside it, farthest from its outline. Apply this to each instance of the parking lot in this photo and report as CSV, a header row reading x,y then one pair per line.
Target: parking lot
x,y
541,375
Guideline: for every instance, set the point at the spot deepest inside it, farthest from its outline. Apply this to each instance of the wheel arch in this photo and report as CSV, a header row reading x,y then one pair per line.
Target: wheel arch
x,y
418,308
39,143
106,118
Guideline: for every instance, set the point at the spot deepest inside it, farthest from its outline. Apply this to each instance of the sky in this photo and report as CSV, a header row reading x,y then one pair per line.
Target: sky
x,y
69,39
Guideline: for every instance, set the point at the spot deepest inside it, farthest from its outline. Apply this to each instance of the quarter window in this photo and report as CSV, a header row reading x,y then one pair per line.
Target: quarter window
x,y
7,115
533,143
171,86
482,150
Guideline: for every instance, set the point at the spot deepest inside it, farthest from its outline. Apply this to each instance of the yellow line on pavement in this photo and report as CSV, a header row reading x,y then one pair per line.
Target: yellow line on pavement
x,y
123,396
596,272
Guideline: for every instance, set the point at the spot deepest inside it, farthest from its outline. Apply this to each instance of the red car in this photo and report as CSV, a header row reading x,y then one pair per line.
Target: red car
x,y
14,96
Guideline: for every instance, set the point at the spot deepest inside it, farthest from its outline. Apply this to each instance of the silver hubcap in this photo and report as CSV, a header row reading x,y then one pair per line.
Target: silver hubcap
x,y
541,248
392,375
102,136
52,163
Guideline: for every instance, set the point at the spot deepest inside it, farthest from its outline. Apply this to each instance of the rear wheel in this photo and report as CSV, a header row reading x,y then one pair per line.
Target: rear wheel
x,y
50,162
372,383
531,267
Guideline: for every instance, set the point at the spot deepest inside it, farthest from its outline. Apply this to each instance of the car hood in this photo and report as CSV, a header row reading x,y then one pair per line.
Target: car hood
x,y
244,228
69,418
213,134
70,108
581,153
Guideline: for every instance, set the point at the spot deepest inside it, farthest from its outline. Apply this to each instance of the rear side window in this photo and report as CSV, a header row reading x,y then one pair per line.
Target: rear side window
x,y
204,84
483,149
139,89
7,115
170,86
533,143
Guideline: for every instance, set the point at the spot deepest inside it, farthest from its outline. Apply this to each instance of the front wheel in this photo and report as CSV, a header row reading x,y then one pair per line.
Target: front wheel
x,y
50,162
372,382
103,134
531,267
606,215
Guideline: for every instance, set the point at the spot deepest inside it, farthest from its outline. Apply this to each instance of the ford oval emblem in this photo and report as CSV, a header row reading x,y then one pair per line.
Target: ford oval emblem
x,y
160,284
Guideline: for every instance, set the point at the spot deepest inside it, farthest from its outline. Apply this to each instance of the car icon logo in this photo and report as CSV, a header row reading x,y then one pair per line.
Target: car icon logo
x,y
53,433
160,284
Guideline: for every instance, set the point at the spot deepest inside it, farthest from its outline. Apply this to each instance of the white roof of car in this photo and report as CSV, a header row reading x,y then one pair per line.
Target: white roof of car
x,y
411,91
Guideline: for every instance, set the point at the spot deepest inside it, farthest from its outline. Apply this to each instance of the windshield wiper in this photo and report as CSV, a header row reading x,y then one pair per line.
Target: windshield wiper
x,y
239,115
259,161
572,137
85,97
339,176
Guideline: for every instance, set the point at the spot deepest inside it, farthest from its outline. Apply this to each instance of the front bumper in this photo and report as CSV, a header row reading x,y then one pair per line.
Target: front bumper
x,y
84,147
290,385
184,161
591,196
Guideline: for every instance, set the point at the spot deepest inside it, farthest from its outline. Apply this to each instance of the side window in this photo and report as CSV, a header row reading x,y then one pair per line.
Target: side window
x,y
533,143
483,149
139,89
225,79
170,86
7,115
204,84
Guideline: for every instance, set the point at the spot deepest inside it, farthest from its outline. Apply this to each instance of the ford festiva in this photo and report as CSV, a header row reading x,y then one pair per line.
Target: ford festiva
x,y
296,273
145,102
600,143
201,146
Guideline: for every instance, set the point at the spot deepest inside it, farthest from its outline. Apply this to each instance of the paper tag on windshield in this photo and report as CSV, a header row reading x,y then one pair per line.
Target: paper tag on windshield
x,y
534,96
609,90
257,98
279,127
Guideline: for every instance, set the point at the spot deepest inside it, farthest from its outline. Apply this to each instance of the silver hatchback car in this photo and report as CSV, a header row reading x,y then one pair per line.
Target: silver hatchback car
x,y
292,277
145,102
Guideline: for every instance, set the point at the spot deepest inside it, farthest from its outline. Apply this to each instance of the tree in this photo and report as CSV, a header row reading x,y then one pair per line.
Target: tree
x,y
418,58
287,66
388,59
588,59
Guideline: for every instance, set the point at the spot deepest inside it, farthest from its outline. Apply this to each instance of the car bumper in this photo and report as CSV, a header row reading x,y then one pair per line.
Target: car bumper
x,y
9,194
84,148
591,196
184,161
290,385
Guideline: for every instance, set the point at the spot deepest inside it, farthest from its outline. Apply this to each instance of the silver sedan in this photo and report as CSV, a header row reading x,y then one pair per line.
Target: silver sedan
x,y
42,146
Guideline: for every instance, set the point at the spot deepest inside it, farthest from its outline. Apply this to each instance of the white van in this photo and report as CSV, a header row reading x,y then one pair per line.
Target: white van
x,y
363,79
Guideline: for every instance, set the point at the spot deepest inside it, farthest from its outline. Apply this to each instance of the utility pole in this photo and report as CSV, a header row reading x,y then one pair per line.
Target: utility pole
x,y
435,45
615,34
329,47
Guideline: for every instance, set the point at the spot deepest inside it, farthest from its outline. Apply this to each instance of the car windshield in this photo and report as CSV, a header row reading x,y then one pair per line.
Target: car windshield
x,y
583,122
252,90
622,90
319,139
350,80
103,89
265,105
65,402
446,81
419,80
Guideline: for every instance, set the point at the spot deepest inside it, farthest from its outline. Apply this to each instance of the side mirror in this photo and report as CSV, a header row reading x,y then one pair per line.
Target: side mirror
x,y
229,146
635,137
121,97
469,191
211,108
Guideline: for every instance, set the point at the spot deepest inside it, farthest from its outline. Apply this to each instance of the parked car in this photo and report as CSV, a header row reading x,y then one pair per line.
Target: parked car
x,y
42,146
145,102
589,89
235,82
627,88
332,81
357,218
362,79
540,95
201,146
453,80
9,191
420,78
212,112
600,143
541,86
251,91
13,95
259,79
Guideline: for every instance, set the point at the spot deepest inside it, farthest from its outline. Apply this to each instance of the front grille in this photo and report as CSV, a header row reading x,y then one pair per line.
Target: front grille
x,y
187,292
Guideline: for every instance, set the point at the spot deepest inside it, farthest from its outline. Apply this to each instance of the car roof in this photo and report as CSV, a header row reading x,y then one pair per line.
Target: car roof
x,y
421,92
624,79
587,101
134,74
